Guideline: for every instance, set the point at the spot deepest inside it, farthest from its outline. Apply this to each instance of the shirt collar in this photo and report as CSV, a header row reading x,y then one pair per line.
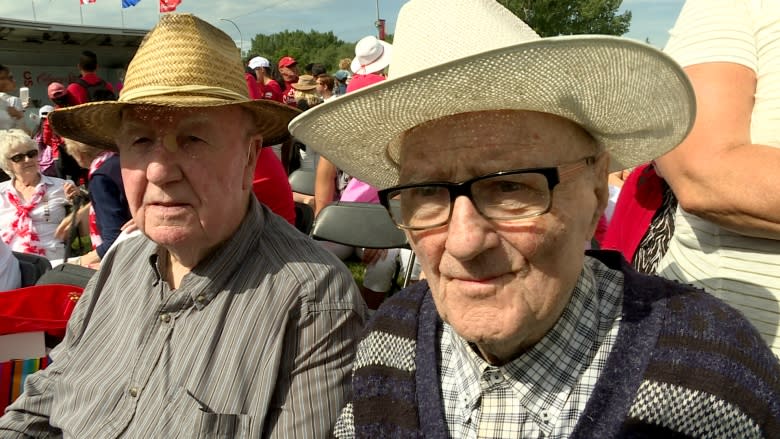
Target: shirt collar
x,y
543,377
209,277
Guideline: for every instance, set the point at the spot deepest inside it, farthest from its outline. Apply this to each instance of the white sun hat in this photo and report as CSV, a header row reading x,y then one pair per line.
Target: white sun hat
x,y
632,98
259,62
371,55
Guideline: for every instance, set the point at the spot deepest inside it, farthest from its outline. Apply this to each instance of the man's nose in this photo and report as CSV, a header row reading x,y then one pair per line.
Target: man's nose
x,y
164,162
469,233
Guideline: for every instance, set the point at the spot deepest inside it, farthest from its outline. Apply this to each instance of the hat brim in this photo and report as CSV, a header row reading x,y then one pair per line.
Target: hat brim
x,y
96,123
303,87
633,99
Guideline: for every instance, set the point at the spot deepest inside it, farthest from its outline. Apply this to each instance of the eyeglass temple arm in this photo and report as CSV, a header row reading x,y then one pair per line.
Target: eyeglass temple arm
x,y
566,171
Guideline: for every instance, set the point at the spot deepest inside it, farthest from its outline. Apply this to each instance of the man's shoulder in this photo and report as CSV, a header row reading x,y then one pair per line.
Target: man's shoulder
x,y
296,259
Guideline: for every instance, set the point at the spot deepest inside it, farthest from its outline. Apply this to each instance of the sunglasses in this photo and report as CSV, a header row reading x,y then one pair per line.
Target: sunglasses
x,y
31,154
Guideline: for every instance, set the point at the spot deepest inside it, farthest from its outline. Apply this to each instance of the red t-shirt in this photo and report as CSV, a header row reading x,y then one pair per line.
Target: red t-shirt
x,y
79,93
288,95
271,91
271,187
252,86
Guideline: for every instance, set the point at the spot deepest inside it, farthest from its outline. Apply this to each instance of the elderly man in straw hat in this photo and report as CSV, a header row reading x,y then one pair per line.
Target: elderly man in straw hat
x,y
517,333
221,320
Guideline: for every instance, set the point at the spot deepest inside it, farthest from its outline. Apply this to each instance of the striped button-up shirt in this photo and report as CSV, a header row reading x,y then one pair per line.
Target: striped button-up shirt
x,y
256,342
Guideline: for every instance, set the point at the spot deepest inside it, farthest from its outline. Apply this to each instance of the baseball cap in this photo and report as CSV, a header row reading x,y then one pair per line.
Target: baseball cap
x,y
56,90
287,61
45,110
258,62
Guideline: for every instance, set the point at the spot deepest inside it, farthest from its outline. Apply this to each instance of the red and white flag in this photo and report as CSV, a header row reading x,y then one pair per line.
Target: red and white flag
x,y
87,1
165,5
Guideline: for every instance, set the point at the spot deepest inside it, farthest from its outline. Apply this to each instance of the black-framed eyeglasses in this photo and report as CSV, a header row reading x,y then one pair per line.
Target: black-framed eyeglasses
x,y
31,154
505,195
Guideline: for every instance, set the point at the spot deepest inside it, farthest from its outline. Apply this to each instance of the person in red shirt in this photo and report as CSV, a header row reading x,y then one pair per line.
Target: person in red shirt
x,y
288,67
268,85
271,187
251,83
65,165
87,66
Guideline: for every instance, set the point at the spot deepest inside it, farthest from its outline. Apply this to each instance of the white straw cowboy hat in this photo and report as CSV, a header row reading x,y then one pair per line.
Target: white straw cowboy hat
x,y
371,55
182,62
630,97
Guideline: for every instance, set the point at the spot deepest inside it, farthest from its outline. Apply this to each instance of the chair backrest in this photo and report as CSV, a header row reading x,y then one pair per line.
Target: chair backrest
x,y
302,181
67,274
32,267
304,217
358,225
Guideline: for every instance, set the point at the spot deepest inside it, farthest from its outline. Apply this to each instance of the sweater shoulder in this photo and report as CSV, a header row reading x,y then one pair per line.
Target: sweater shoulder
x,y
710,372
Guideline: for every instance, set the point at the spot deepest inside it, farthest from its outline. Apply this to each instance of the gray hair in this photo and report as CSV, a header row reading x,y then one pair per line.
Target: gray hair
x,y
11,140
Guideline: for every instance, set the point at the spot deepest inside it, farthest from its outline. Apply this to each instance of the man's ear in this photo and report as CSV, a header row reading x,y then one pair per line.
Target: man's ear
x,y
600,187
253,151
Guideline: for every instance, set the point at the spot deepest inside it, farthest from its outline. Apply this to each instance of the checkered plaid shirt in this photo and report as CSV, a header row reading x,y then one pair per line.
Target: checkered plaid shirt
x,y
543,392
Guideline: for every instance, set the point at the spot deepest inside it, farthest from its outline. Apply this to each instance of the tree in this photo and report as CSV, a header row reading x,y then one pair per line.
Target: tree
x,y
305,47
568,17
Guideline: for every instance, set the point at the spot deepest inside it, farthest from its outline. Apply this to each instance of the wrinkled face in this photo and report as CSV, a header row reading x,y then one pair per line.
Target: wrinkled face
x,y
28,166
187,173
503,284
289,74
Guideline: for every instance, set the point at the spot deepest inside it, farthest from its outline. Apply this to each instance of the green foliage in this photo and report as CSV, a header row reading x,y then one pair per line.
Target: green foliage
x,y
570,17
305,47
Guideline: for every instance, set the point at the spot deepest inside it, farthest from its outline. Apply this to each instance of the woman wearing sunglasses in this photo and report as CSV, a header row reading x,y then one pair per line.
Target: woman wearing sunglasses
x,y
32,205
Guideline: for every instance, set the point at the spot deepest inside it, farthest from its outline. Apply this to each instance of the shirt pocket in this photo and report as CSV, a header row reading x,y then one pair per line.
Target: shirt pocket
x,y
222,426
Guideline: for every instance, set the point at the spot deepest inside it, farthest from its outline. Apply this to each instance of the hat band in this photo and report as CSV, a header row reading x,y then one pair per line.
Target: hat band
x,y
379,55
150,91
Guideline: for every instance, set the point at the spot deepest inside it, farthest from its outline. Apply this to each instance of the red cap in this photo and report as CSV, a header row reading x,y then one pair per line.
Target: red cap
x,y
56,90
287,61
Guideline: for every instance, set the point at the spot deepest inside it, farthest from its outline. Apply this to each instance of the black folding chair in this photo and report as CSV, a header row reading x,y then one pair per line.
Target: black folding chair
x,y
361,225
32,267
302,181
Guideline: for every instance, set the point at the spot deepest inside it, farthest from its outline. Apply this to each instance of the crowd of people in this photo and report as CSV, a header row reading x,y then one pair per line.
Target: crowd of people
x,y
599,249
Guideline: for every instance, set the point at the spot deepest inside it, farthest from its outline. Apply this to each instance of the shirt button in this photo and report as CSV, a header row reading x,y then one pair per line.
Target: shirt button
x,y
165,318
133,391
201,299
495,377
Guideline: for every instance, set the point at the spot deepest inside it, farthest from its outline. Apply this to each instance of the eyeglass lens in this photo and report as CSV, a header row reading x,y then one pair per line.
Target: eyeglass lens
x,y
499,197
31,154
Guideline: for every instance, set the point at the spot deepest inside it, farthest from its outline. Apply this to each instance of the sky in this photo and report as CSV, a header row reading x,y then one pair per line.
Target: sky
x,y
350,20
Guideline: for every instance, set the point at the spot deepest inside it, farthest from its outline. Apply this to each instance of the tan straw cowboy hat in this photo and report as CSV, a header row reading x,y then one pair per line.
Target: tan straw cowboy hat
x,y
460,56
182,62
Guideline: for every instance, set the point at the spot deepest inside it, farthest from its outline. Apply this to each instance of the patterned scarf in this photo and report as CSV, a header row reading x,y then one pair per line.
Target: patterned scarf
x,y
22,227
94,232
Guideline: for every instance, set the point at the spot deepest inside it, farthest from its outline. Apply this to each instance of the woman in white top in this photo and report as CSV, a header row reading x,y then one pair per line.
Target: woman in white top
x,y
726,173
32,205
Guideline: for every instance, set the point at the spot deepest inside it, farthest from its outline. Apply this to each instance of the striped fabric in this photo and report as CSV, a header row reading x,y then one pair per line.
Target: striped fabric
x,y
743,271
258,341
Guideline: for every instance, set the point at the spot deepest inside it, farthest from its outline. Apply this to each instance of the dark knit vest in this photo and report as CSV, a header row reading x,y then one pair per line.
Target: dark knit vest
x,y
684,364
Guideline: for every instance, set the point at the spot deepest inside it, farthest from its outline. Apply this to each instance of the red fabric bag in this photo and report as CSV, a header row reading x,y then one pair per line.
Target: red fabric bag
x,y
38,308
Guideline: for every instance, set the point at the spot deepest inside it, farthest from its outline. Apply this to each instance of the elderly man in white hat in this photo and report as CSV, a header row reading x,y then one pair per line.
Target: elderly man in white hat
x,y
516,332
221,320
